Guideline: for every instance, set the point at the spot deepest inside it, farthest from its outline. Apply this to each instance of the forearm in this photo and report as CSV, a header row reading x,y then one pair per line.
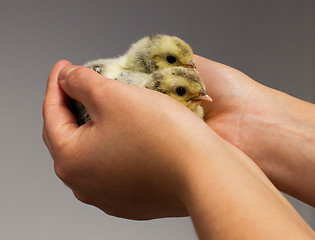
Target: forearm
x,y
228,197
284,145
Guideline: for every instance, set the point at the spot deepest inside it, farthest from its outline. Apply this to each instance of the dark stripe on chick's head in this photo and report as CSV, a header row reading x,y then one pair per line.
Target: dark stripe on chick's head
x,y
184,51
186,74
148,64
153,37
155,83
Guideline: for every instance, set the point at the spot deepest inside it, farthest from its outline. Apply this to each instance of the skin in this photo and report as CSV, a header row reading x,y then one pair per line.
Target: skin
x,y
274,129
109,164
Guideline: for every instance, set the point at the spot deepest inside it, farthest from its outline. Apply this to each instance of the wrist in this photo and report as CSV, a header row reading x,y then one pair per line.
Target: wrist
x,y
225,192
280,138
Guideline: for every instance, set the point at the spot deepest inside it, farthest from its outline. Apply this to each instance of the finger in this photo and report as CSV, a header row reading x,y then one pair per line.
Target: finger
x,y
212,74
215,71
207,64
58,119
207,69
215,75
46,141
86,86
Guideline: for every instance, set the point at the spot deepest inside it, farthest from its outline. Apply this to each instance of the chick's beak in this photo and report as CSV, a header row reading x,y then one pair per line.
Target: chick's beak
x,y
191,64
203,96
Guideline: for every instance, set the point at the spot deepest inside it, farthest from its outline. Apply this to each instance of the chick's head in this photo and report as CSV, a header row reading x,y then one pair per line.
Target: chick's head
x,y
171,51
180,83
156,52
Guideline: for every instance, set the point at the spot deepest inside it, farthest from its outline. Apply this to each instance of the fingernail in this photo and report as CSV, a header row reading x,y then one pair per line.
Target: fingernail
x,y
64,73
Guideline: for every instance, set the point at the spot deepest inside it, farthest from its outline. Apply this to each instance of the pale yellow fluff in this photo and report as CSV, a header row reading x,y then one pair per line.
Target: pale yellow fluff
x,y
149,54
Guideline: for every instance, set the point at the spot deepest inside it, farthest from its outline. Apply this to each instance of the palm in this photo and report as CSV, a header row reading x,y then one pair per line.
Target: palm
x,y
233,93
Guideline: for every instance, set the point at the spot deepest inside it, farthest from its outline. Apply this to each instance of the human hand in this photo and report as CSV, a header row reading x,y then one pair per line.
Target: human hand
x,y
238,104
126,159
274,129
136,159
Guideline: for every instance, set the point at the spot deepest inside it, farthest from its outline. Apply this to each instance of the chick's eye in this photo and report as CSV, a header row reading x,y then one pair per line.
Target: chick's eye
x,y
180,91
171,59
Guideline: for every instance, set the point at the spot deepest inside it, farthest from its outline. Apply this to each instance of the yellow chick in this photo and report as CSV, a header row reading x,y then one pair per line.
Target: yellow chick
x,y
149,54
159,62
180,83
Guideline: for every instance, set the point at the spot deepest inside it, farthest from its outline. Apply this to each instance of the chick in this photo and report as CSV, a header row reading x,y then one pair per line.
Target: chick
x,y
149,54
180,83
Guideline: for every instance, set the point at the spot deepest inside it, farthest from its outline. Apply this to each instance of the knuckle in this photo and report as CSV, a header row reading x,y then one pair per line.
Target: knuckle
x,y
65,173
63,159
60,146
82,197
61,172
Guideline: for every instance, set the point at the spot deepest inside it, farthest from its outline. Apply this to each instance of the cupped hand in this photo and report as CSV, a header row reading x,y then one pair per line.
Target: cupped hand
x,y
127,160
274,129
239,106
235,95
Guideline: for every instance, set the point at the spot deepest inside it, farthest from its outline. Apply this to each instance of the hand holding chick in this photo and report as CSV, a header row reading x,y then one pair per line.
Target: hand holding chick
x,y
125,148
182,84
157,62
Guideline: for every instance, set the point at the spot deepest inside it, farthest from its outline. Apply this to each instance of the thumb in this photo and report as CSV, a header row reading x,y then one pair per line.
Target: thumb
x,y
87,87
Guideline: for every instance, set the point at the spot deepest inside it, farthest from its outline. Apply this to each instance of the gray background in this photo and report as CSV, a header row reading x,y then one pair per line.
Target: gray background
x,y
271,40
